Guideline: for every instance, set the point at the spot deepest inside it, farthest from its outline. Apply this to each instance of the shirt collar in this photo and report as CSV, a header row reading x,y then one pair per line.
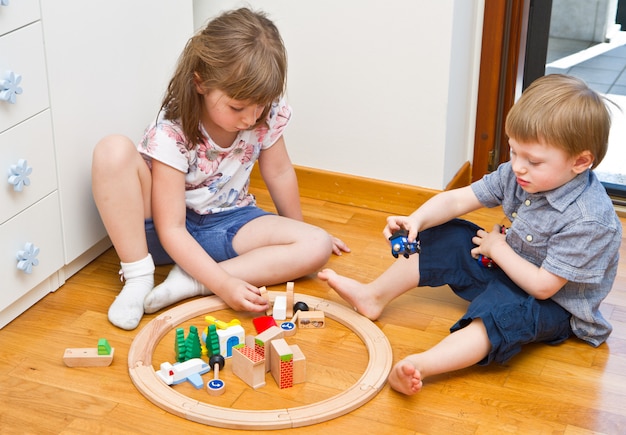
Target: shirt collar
x,y
561,197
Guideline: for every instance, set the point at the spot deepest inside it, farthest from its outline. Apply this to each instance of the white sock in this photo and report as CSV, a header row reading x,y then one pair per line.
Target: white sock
x,y
177,286
126,310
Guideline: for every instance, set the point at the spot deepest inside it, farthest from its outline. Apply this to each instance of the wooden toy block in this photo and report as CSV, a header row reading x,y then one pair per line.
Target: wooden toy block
x,y
280,307
229,337
310,319
215,387
248,365
289,328
269,334
289,295
104,348
262,323
299,365
87,357
262,343
282,363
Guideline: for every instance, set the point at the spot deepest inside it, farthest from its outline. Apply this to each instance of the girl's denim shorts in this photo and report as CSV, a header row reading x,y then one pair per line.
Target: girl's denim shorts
x,y
512,317
214,232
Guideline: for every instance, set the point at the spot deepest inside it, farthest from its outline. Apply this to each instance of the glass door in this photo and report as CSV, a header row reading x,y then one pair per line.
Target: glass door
x,y
588,40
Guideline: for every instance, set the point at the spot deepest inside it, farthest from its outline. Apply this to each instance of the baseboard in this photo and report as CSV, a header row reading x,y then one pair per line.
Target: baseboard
x,y
394,198
462,178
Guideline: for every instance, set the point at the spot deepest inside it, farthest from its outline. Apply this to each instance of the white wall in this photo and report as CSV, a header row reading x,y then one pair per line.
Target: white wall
x,y
383,90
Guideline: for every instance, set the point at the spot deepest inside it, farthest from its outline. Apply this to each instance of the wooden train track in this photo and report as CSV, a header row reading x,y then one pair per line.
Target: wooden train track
x,y
145,379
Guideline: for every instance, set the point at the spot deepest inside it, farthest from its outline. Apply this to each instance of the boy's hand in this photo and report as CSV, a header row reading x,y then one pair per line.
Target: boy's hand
x,y
395,223
486,241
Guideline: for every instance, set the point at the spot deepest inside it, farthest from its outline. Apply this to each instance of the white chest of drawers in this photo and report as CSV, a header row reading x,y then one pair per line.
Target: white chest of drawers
x,y
87,69
30,218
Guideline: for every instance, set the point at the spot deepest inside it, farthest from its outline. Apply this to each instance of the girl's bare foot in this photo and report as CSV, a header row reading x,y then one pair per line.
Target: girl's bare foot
x,y
353,292
405,378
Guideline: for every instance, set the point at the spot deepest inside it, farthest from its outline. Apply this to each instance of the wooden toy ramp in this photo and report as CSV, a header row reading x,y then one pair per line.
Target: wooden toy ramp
x,y
145,379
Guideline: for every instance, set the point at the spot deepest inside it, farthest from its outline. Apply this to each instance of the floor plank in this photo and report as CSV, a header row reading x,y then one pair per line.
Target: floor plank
x,y
570,389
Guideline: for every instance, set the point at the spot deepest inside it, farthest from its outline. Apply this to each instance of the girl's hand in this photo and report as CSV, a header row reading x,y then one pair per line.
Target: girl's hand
x,y
339,246
486,241
241,296
395,223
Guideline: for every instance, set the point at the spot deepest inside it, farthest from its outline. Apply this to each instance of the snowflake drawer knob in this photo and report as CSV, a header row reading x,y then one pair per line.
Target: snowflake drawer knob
x,y
18,175
10,87
27,258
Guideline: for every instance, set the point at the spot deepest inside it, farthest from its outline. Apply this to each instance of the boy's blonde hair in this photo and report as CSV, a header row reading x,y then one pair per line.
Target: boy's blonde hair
x,y
562,111
240,53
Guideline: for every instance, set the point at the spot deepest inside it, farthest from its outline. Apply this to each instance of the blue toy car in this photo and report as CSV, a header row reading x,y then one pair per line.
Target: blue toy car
x,y
400,244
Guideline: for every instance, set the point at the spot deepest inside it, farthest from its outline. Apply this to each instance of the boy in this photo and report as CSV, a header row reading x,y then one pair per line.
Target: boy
x,y
556,262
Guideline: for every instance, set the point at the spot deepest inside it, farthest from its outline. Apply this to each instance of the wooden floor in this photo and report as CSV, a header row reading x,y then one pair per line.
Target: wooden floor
x,y
568,389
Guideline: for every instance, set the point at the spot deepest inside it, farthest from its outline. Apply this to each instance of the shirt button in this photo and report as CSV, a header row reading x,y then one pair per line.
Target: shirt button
x,y
529,238
514,214
527,202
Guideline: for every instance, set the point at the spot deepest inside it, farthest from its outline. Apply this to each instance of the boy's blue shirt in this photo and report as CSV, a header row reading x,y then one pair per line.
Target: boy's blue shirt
x,y
572,231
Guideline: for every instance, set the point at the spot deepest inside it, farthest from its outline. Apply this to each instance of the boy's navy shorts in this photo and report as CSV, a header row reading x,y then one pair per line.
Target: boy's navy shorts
x,y
214,232
512,317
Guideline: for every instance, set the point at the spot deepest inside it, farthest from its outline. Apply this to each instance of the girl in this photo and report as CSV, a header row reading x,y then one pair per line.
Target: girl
x,y
183,198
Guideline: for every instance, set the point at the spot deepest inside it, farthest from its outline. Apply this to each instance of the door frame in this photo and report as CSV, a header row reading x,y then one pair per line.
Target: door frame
x,y
509,27
499,63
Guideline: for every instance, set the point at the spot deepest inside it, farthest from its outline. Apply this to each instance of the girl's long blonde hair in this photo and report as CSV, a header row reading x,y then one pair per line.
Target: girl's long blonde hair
x,y
240,53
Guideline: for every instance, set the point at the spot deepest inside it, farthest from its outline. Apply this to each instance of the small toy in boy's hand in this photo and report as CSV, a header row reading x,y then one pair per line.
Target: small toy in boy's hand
x,y
486,261
400,244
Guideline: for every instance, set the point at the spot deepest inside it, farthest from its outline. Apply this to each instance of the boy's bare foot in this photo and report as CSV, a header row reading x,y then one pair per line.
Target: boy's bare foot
x,y
405,378
353,292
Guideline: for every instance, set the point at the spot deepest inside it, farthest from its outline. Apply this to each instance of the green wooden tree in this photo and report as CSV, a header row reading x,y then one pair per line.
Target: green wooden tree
x,y
193,348
212,341
179,345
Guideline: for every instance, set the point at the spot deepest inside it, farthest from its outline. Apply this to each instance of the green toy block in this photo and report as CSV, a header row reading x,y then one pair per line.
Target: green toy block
x,y
104,348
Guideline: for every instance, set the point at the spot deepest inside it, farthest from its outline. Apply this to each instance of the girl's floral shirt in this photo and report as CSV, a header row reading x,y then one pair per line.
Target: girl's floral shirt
x,y
216,179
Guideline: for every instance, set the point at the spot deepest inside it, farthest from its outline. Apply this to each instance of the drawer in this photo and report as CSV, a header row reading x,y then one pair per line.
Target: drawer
x,y
22,52
32,142
17,14
41,226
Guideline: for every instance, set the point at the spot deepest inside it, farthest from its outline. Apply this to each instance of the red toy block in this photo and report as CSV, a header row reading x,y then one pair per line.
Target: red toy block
x,y
263,323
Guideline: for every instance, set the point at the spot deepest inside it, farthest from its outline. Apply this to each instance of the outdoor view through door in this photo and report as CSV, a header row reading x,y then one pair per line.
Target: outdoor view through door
x,y
588,40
